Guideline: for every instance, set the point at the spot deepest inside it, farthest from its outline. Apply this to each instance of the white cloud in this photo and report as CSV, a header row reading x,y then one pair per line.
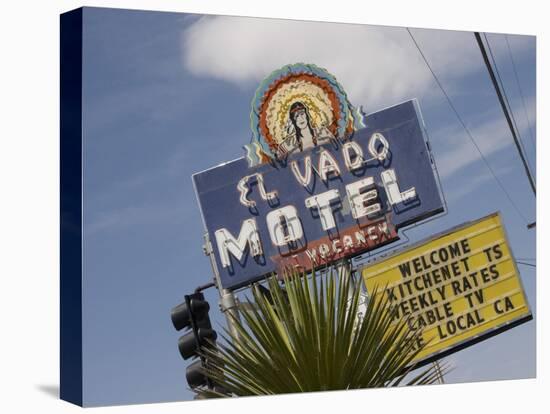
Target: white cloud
x,y
376,65
458,193
526,119
459,152
454,150
456,156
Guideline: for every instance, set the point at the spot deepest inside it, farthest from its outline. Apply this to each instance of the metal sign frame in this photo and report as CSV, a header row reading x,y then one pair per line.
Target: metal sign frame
x,y
497,329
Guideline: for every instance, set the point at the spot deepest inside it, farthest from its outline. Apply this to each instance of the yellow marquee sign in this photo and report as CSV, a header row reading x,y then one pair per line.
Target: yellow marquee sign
x,y
460,287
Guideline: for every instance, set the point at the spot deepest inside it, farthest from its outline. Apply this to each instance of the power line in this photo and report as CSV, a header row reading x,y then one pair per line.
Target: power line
x,y
520,91
526,264
466,129
508,105
504,109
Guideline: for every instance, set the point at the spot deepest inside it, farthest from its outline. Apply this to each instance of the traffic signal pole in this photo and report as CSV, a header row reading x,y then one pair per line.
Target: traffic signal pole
x,y
191,317
228,302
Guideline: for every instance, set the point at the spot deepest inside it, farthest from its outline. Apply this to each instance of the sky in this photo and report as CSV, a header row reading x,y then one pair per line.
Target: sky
x,y
166,95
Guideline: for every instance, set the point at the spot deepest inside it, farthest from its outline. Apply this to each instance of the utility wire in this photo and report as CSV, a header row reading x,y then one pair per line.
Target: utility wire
x,y
504,109
466,129
509,106
520,91
439,372
526,264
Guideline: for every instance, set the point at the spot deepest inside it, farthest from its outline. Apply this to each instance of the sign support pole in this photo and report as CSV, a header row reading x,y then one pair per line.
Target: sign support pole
x,y
228,302
228,305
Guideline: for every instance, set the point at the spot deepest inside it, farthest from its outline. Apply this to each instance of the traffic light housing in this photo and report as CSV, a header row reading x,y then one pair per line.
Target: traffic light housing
x,y
193,315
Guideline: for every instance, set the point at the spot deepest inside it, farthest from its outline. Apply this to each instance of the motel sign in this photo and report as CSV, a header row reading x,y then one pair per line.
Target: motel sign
x,y
314,206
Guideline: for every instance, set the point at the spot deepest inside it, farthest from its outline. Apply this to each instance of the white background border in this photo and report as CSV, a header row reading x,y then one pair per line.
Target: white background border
x,y
29,171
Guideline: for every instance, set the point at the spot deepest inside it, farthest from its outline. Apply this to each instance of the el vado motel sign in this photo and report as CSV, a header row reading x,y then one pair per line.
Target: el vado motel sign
x,y
320,181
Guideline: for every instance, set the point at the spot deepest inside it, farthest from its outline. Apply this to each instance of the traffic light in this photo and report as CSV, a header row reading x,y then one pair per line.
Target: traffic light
x,y
193,314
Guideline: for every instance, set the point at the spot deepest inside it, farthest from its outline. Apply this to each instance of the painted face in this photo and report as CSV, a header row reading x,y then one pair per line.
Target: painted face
x,y
301,119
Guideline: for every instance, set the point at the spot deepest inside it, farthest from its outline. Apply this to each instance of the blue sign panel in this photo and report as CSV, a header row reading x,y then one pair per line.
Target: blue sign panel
x,y
328,202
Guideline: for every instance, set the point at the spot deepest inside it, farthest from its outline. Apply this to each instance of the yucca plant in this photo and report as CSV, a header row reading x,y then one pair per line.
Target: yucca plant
x,y
307,336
